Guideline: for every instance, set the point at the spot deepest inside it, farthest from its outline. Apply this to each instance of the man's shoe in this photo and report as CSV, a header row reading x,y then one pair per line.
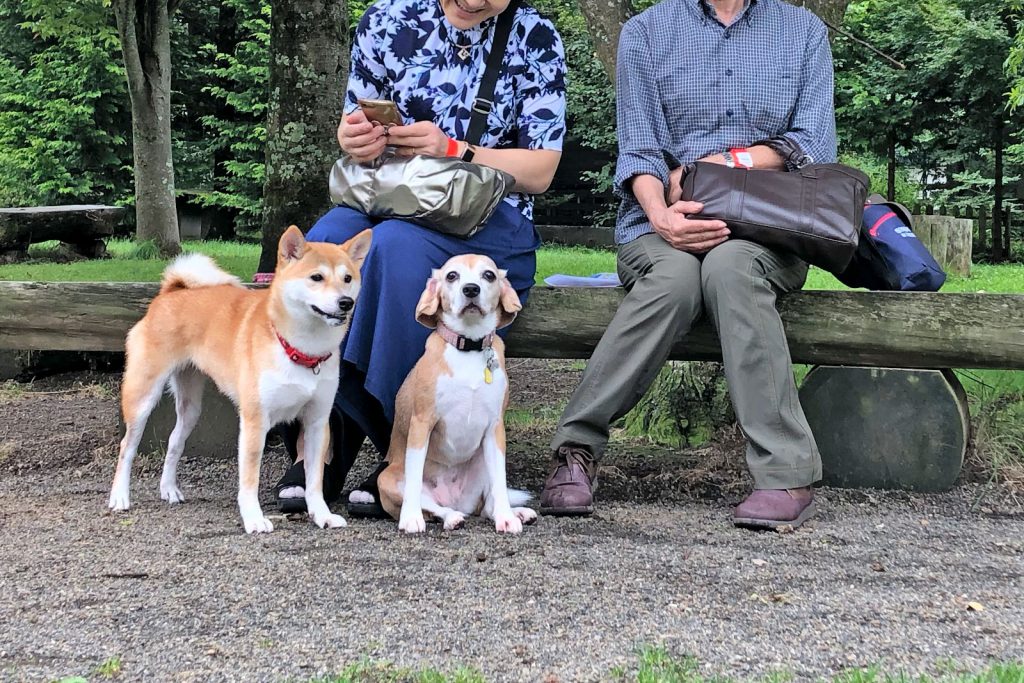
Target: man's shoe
x,y
569,489
774,508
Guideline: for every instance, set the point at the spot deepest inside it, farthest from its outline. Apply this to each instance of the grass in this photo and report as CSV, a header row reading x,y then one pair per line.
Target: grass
x,y
132,262
657,665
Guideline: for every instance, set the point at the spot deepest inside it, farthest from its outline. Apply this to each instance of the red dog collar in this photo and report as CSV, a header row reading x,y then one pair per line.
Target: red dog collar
x,y
303,359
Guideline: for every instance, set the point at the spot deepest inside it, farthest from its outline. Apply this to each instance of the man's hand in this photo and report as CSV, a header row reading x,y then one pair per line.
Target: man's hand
x,y
361,139
688,234
422,137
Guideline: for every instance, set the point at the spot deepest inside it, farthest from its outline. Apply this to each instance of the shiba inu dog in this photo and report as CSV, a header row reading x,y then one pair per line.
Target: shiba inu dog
x,y
273,352
447,452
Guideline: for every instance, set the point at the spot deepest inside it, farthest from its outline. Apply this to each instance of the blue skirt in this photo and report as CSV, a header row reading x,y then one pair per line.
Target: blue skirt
x,y
384,340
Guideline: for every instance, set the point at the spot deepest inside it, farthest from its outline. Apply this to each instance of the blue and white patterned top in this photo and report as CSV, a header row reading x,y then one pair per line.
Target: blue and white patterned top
x,y
405,50
688,86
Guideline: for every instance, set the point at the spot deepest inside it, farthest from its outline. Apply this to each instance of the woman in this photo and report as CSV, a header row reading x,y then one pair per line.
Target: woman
x,y
428,57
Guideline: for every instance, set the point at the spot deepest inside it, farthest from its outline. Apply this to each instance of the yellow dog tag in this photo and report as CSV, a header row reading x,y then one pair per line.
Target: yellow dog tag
x,y
488,376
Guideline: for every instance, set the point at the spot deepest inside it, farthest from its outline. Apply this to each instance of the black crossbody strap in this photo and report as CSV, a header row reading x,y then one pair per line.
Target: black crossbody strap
x,y
483,103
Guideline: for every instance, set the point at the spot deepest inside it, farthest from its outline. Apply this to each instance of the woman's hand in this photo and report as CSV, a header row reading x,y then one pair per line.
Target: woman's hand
x,y
422,137
361,139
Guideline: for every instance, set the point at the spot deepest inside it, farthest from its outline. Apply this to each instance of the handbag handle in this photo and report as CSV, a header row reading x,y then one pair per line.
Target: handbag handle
x,y
483,104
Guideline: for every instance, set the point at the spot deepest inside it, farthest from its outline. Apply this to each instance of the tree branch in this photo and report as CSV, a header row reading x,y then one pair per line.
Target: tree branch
x,y
894,62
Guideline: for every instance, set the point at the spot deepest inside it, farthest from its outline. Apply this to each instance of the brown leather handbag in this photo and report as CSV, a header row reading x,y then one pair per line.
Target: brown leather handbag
x,y
813,212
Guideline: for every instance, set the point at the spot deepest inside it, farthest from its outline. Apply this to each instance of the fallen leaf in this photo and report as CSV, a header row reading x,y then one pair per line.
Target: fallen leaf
x,y
877,567
975,607
785,529
759,562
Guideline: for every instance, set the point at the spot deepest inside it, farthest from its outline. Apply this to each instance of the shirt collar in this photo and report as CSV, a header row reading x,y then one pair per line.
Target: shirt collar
x,y
706,11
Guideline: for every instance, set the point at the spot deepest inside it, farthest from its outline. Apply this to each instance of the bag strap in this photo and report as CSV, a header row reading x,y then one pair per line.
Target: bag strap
x,y
483,103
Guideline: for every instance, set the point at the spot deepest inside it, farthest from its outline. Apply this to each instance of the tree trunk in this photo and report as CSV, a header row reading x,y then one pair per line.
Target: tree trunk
x,y
890,178
604,23
308,71
605,19
144,28
998,251
829,11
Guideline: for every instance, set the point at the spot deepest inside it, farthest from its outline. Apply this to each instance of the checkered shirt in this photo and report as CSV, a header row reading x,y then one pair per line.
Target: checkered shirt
x,y
688,86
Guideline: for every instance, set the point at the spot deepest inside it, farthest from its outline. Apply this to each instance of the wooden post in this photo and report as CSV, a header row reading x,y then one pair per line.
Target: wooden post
x,y
949,241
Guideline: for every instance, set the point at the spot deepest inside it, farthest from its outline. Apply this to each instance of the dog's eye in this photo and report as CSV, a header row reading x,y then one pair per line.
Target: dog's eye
x,y
451,276
316,277
490,276
348,278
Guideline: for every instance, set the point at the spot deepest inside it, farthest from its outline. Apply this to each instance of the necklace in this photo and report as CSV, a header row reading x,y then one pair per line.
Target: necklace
x,y
463,49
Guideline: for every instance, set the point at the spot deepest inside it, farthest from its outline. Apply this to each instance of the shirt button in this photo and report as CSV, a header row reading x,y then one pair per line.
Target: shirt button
x,y
728,112
728,72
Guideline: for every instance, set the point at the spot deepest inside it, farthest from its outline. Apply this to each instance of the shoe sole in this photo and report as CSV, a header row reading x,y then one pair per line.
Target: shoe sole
x,y
367,511
774,524
578,511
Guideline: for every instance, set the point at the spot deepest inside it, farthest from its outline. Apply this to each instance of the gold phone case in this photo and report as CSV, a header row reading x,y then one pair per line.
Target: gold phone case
x,y
382,111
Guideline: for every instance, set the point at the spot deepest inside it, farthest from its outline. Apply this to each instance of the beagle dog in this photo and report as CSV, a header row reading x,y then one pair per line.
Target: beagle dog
x,y
447,453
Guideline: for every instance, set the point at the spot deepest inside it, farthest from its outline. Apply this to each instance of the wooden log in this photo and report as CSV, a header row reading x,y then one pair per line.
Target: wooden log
x,y
948,239
74,224
885,329
887,428
577,235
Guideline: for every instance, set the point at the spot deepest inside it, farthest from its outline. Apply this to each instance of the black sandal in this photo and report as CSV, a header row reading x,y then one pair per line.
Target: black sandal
x,y
335,472
372,510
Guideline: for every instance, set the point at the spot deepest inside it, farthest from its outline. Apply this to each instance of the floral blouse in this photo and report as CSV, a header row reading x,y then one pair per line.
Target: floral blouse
x,y
406,51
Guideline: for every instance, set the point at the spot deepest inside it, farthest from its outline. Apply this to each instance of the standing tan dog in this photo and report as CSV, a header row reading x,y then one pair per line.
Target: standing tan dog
x,y
447,453
273,352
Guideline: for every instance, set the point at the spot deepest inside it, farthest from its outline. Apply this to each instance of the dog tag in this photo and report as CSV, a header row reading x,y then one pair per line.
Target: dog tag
x,y
490,366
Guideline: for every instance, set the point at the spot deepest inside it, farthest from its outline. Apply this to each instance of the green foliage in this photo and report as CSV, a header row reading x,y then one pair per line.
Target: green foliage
x,y
877,171
64,112
237,78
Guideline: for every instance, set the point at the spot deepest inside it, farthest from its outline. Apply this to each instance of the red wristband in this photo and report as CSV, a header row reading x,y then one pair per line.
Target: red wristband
x,y
742,157
453,148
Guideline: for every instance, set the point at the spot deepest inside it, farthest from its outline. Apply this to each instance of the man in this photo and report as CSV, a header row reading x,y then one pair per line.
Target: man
x,y
706,80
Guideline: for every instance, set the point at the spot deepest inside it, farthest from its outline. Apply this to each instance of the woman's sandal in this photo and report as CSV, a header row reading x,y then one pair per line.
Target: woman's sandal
x,y
295,476
368,504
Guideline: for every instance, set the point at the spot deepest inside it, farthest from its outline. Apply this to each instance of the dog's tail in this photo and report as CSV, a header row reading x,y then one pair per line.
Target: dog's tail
x,y
190,271
517,497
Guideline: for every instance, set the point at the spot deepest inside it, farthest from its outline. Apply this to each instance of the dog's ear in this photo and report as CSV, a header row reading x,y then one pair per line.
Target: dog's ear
x,y
359,246
508,304
291,246
428,310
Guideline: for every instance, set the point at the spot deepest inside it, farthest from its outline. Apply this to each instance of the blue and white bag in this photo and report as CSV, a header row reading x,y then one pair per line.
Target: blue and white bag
x,y
889,255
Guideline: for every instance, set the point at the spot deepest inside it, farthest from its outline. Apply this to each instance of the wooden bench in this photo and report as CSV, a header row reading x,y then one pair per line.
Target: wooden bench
x,y
893,417
83,227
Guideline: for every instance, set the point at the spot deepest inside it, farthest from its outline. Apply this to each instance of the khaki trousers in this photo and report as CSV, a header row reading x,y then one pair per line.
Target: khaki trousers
x,y
736,284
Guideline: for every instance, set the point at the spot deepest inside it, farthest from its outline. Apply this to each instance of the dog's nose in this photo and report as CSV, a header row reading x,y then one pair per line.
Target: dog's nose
x,y
471,291
346,303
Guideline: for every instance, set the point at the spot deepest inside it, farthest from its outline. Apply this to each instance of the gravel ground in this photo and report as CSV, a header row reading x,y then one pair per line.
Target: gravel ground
x,y
181,594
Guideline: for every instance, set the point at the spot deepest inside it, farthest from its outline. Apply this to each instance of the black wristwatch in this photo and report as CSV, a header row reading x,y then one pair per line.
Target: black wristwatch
x,y
468,154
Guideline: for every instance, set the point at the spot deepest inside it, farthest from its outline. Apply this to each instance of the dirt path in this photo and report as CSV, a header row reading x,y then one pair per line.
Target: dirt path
x,y
182,594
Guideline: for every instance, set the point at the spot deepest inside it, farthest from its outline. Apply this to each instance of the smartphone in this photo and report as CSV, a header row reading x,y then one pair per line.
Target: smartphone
x,y
383,112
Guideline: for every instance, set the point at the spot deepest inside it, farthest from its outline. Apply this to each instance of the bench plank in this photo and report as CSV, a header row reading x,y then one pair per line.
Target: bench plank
x,y
880,329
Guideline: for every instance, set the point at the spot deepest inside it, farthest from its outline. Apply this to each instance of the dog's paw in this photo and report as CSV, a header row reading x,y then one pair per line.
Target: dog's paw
x,y
454,520
171,493
329,521
525,515
258,525
412,523
510,524
119,501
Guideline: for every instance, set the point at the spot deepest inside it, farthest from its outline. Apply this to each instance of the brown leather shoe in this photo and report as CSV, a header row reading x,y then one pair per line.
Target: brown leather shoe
x,y
773,508
569,489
